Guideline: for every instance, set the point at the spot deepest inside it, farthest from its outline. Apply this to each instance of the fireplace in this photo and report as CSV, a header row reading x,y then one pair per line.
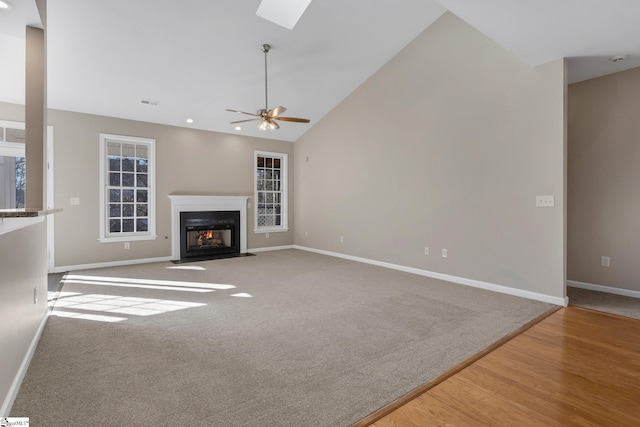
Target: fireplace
x,y
209,233
207,227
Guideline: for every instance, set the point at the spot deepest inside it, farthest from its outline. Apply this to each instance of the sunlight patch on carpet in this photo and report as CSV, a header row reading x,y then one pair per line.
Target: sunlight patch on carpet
x,y
122,305
171,285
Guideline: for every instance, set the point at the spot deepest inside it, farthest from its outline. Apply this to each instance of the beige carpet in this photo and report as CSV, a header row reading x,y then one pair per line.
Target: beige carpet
x,y
601,301
286,338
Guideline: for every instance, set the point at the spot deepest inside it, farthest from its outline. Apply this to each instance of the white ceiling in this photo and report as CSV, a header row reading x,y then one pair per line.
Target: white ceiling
x,y
198,57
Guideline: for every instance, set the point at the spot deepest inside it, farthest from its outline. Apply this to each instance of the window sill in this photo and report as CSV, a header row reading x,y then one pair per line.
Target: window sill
x,y
130,238
270,230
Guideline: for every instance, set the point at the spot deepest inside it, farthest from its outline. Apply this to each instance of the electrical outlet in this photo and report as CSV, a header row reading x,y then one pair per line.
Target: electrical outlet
x,y
74,201
605,261
266,235
444,253
127,245
306,234
545,201
426,250
341,239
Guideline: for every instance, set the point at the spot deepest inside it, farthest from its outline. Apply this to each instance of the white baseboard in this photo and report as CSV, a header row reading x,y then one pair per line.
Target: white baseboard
x,y
602,288
455,279
271,248
66,268
17,380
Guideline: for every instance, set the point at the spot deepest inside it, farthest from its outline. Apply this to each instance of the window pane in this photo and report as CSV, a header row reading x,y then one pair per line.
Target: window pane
x,y
114,163
127,210
142,210
127,225
260,185
114,179
268,185
141,196
269,162
114,210
15,135
128,179
261,197
261,221
276,163
114,195
141,180
142,225
128,164
269,197
142,152
114,225
276,174
260,162
276,185
128,150
127,196
113,149
269,175
278,220
143,165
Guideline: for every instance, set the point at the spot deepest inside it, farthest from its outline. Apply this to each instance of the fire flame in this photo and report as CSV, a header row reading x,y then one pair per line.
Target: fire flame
x,y
207,235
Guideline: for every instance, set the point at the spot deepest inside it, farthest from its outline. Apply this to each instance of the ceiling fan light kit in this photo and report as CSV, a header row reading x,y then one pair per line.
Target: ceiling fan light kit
x,y
266,116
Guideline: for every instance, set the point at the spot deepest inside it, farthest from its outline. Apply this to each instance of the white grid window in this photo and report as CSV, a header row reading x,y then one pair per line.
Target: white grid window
x,y
127,175
270,192
12,165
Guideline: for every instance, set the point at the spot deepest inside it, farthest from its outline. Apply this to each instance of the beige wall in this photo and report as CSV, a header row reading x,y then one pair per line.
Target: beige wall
x,y
446,146
604,177
23,267
188,162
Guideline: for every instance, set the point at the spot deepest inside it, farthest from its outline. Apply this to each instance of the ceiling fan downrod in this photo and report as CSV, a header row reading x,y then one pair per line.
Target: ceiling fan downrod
x,y
265,49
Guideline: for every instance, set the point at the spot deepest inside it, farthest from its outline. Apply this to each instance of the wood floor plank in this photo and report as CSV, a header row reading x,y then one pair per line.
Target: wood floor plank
x,y
577,367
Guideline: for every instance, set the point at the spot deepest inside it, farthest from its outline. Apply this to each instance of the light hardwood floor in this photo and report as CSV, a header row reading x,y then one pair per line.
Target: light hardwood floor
x,y
576,367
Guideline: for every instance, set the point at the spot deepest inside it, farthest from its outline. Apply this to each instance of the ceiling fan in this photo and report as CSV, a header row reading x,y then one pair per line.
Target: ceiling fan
x,y
267,117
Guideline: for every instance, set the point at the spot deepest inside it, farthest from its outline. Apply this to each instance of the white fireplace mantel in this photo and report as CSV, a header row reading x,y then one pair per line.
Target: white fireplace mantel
x,y
182,203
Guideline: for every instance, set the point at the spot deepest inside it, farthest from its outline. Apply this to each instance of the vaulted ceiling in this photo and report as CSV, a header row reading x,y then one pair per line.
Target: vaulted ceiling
x,y
195,58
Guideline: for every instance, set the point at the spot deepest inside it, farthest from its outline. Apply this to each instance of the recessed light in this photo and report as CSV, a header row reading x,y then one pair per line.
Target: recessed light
x,y
238,128
4,4
189,121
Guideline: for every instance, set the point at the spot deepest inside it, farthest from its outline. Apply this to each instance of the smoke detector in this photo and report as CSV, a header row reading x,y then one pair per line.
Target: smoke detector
x,y
617,58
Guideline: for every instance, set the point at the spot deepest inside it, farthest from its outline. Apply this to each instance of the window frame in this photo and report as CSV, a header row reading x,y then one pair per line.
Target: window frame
x,y
13,149
284,193
150,234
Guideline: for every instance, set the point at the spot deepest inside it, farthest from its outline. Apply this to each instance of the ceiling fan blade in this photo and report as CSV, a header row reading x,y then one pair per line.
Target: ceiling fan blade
x,y
276,111
243,112
242,121
292,119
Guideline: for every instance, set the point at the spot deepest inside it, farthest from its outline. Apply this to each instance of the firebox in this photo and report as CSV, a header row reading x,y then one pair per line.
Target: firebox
x,y
209,234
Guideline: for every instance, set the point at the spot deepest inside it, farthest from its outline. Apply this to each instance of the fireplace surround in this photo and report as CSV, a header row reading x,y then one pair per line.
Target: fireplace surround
x,y
223,216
